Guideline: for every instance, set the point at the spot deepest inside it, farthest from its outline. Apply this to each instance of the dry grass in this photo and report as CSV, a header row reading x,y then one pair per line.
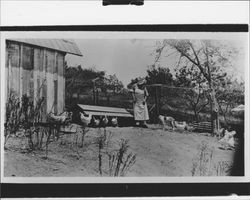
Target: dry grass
x,y
118,159
204,165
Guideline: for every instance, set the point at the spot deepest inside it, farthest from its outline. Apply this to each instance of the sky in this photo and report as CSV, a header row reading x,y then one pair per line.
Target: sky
x,y
127,58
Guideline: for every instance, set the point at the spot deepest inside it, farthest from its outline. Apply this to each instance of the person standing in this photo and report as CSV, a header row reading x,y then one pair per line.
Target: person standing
x,y
140,95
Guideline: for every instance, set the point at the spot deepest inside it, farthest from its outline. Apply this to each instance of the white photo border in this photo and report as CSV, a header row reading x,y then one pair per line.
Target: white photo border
x,y
128,35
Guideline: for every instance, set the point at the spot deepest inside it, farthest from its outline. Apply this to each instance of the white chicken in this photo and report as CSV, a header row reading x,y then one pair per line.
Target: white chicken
x,y
181,125
65,116
105,121
228,139
86,120
96,121
114,121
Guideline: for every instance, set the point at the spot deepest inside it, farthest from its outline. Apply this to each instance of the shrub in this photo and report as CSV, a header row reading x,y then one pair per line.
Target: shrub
x,y
12,116
24,115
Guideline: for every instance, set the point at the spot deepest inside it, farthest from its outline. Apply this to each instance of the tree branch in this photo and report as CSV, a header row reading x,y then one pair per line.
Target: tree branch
x,y
198,61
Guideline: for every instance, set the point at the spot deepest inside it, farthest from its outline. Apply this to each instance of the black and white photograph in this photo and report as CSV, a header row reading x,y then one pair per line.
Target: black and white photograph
x,y
136,105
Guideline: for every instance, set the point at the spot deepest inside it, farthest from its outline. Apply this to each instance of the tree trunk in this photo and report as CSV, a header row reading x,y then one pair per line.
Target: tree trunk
x,y
196,115
97,97
78,96
214,112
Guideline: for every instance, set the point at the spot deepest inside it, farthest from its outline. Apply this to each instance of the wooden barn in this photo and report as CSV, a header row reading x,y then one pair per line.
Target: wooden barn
x,y
36,67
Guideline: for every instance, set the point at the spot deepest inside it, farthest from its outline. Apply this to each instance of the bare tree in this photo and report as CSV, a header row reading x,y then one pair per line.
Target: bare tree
x,y
209,57
195,97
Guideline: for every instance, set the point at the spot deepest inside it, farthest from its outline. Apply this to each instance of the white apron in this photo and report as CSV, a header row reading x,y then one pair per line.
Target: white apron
x,y
140,110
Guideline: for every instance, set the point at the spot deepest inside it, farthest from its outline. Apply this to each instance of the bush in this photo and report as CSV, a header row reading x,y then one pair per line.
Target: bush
x,y
26,117
12,116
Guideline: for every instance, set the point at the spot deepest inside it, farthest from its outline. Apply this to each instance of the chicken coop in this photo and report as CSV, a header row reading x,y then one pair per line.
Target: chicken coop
x,y
125,118
36,68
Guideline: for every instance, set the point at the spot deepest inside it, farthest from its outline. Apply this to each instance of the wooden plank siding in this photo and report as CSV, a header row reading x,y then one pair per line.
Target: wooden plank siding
x,y
37,72
60,83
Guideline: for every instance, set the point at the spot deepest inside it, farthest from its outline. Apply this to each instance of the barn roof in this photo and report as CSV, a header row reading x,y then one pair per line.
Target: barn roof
x,y
67,46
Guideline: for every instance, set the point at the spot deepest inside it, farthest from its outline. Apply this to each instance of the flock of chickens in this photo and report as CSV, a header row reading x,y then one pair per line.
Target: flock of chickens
x,y
226,137
85,120
102,121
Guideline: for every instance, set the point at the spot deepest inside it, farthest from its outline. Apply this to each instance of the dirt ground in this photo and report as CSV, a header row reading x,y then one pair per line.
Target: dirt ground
x,y
158,153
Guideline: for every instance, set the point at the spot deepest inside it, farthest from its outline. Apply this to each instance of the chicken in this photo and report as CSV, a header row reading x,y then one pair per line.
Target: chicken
x,y
65,116
228,139
96,122
114,121
105,121
86,120
181,125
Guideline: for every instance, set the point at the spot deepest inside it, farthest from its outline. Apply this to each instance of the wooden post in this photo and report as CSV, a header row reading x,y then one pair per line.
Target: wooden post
x,y
156,103
159,99
97,97
94,96
211,116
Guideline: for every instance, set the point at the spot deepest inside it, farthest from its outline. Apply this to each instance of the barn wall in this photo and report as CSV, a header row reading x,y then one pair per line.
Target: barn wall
x,y
49,60
61,83
28,71
13,68
38,73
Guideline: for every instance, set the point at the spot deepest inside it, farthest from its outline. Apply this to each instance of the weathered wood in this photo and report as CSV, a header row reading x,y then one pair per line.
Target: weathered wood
x,y
36,75
7,60
102,109
9,74
60,79
21,72
49,80
55,83
44,87
108,114
14,68
36,68
202,126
